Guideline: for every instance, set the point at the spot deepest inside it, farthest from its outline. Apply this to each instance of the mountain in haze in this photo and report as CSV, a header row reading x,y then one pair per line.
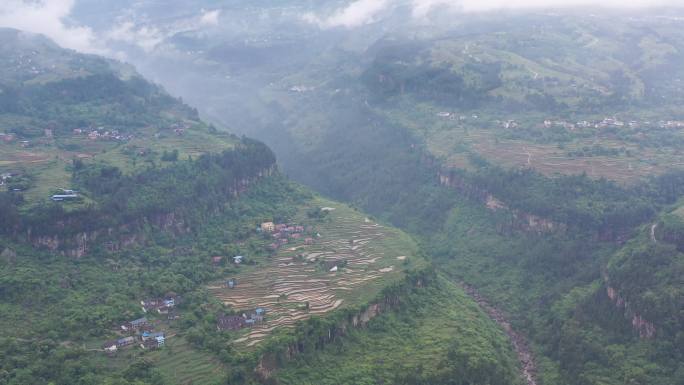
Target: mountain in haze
x,y
530,152
140,245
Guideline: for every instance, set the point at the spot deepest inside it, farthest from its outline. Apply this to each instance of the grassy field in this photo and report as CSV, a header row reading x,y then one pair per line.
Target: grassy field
x,y
373,256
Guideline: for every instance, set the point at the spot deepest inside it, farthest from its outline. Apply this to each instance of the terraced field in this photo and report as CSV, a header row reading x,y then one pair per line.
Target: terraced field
x,y
298,283
181,364
452,140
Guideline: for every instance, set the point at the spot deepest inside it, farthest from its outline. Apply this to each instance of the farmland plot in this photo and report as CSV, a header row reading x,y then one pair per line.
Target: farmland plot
x,y
351,261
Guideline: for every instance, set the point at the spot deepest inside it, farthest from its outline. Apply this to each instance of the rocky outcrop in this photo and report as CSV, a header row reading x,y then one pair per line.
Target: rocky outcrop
x,y
640,325
337,328
451,179
116,238
519,220
112,238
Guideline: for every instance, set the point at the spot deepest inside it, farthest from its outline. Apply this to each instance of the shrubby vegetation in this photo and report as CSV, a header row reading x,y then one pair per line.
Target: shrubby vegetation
x,y
47,300
189,188
433,335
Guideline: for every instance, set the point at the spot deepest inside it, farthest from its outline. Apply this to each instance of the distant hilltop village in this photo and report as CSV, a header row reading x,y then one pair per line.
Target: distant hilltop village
x,y
549,123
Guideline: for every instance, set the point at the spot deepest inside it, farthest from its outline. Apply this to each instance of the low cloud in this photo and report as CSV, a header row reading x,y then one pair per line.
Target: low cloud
x,y
143,36
210,18
422,7
361,12
48,17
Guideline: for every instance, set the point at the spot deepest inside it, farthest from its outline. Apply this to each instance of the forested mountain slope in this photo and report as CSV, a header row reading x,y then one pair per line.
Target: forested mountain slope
x,y
139,245
523,149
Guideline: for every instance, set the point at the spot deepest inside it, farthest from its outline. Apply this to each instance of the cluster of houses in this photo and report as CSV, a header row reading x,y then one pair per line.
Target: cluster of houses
x,y
612,122
142,334
140,331
160,305
283,233
179,128
453,116
9,138
100,133
237,322
568,125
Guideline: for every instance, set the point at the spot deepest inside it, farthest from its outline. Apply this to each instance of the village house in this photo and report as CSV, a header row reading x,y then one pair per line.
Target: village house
x,y
308,241
268,226
169,301
255,317
137,324
216,260
236,322
151,336
164,309
153,343
231,283
123,342
64,197
238,259
231,322
110,346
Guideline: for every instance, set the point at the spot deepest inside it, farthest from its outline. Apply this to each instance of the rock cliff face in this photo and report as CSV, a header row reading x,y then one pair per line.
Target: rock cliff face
x,y
115,238
112,239
642,326
269,362
519,220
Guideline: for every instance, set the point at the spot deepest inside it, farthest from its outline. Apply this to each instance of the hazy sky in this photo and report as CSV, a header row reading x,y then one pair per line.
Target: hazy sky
x,y
51,17
360,12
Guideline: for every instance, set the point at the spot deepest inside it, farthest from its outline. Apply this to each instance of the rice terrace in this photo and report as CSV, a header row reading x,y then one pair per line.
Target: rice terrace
x,y
351,259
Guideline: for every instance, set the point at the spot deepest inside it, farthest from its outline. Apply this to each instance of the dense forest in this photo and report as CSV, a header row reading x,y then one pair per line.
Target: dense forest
x,y
93,101
189,187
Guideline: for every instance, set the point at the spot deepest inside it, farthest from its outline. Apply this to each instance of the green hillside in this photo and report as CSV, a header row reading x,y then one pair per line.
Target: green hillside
x,y
59,109
558,94
438,337
118,203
